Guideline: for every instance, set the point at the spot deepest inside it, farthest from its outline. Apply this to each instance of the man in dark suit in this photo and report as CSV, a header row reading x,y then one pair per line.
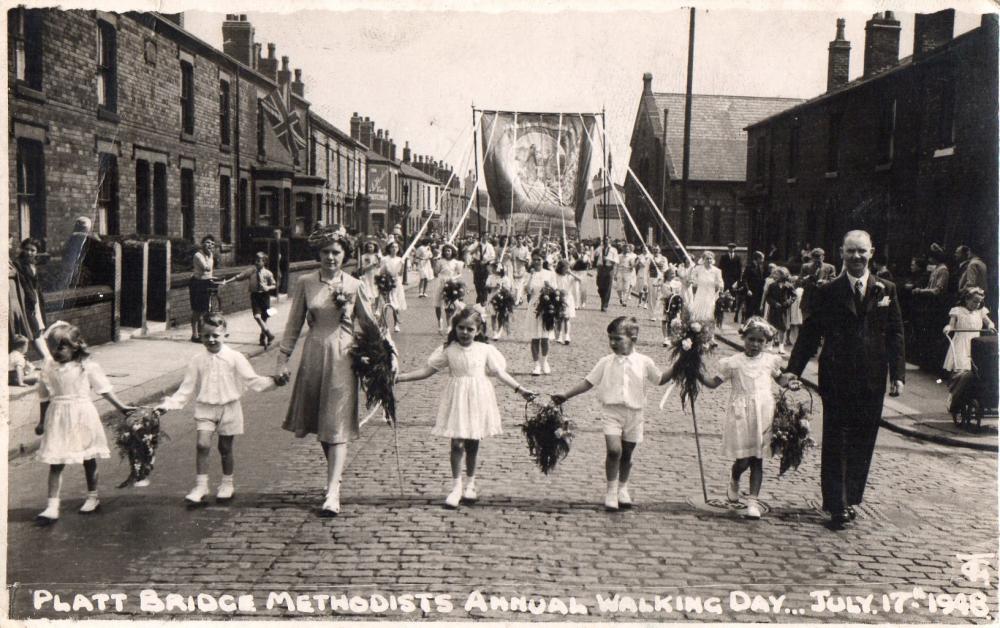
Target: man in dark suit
x,y
732,269
857,318
752,285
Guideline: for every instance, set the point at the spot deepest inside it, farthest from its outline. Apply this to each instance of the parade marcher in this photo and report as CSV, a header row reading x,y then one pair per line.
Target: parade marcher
x,y
746,433
447,268
468,409
706,279
621,379
200,286
498,280
566,280
670,303
642,262
606,259
540,277
857,319
581,261
779,296
324,399
425,269
658,265
216,379
393,264
69,423
369,265
625,275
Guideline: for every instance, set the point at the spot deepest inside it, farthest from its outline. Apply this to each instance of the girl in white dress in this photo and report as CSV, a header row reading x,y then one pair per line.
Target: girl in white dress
x,y
670,303
965,322
707,282
70,426
448,268
746,435
393,264
468,411
369,265
540,337
566,280
423,256
642,261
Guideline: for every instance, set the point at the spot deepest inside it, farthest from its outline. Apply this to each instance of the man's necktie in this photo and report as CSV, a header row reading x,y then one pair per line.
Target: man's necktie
x,y
859,292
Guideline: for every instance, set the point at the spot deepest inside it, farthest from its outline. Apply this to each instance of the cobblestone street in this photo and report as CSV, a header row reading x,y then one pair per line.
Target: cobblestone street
x,y
543,538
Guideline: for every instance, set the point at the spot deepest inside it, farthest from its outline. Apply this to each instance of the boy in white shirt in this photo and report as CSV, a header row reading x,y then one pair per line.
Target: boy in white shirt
x,y
220,376
620,380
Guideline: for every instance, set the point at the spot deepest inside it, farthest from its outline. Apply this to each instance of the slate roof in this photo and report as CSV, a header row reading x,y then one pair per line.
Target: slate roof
x,y
718,139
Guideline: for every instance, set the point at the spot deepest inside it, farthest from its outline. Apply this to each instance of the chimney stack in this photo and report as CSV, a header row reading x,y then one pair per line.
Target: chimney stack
x,y
284,74
392,150
932,30
298,87
269,65
367,136
647,82
356,127
237,39
881,43
406,153
837,70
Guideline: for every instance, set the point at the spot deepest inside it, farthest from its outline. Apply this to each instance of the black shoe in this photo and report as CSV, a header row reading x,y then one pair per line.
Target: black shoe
x,y
838,520
852,514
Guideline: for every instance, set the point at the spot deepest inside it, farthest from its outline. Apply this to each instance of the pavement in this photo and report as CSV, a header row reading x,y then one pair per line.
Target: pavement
x,y
534,547
919,412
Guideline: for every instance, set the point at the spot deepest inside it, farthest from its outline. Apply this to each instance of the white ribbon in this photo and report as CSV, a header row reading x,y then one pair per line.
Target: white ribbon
x,y
670,389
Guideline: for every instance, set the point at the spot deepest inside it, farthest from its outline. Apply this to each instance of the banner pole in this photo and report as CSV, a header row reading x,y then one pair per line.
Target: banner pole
x,y
604,168
475,186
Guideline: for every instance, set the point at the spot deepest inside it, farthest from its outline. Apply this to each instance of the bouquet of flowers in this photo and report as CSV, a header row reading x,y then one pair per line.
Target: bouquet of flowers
x,y
385,283
549,434
453,291
690,340
373,360
503,304
551,306
136,437
790,436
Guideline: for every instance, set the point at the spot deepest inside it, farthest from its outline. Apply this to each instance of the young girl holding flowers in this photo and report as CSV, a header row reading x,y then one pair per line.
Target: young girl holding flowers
x,y
566,280
497,281
468,411
746,434
70,426
540,276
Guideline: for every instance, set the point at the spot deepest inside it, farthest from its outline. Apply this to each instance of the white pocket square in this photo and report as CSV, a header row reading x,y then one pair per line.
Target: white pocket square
x,y
885,301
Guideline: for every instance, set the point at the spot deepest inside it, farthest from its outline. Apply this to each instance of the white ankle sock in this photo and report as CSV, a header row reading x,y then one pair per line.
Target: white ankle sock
x,y
226,479
201,480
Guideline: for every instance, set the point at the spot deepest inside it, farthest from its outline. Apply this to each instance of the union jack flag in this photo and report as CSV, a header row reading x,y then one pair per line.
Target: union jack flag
x,y
284,123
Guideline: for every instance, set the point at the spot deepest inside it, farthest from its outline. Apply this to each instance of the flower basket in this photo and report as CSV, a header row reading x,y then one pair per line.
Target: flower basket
x,y
137,437
549,434
503,303
551,306
790,435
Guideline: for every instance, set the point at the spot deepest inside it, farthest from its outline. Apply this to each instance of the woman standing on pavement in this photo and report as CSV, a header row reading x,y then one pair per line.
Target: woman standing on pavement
x,y
26,315
325,395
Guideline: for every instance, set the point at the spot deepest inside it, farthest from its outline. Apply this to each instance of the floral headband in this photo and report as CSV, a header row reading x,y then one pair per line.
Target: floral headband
x,y
756,322
323,237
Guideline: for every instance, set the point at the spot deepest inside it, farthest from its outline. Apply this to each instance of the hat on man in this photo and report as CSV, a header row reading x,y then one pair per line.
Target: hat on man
x,y
731,245
817,252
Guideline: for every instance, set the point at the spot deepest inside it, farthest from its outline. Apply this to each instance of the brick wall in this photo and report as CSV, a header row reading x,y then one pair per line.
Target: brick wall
x,y
930,191
89,308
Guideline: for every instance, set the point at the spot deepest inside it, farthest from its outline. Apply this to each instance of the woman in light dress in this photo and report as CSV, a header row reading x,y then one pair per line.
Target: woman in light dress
x,y
706,281
448,268
324,397
369,265
393,264
423,256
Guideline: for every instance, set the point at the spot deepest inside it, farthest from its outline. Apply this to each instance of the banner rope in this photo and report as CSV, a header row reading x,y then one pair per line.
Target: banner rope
x,y
475,187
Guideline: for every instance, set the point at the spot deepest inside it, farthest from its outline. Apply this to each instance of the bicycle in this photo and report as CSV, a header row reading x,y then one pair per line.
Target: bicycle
x,y
214,302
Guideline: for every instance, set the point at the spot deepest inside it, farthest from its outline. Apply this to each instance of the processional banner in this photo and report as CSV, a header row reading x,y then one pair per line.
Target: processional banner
x,y
537,164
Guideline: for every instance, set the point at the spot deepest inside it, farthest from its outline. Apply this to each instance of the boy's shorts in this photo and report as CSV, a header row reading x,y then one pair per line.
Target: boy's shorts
x,y
225,419
260,302
623,421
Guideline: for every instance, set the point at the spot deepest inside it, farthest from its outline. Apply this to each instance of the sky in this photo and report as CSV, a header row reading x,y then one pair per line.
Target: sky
x,y
419,73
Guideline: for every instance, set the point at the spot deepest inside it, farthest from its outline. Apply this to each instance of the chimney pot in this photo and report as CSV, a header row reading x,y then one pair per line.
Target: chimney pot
x,y
298,74
284,63
647,81
881,43
839,62
270,51
243,17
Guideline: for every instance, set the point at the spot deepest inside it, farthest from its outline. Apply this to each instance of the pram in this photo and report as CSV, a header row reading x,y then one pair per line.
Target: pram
x,y
974,392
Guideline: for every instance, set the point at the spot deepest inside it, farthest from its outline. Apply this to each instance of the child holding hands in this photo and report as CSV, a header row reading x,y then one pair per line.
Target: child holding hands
x,y
216,379
620,379
468,410
746,434
70,425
